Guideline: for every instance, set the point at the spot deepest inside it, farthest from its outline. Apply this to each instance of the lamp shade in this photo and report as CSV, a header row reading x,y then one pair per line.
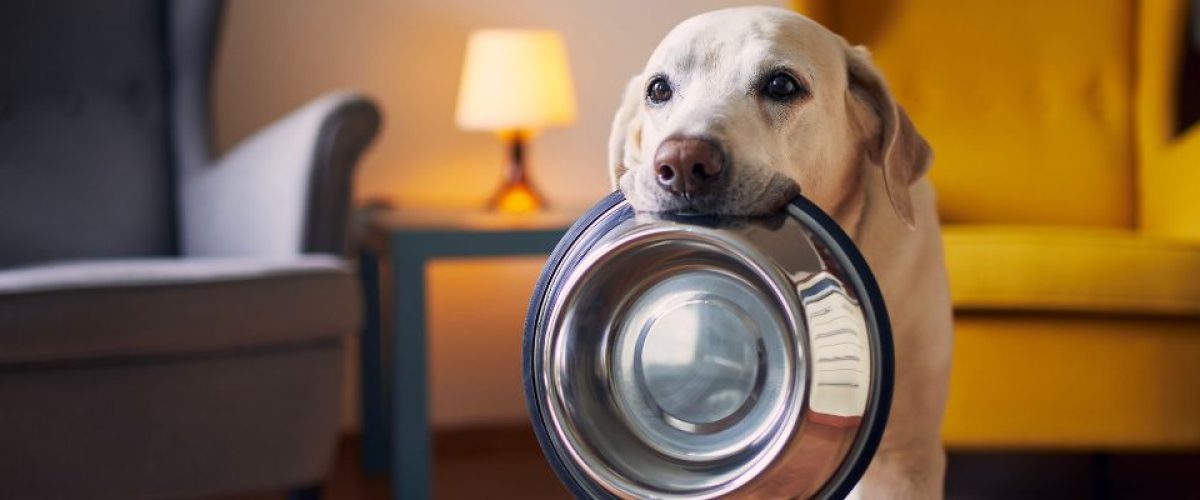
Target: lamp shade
x,y
515,80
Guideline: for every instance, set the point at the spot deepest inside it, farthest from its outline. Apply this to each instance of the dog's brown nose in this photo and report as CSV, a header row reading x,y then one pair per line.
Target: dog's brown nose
x,y
688,165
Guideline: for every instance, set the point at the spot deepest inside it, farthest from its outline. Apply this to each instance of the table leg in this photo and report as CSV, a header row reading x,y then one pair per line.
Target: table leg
x,y
372,393
410,421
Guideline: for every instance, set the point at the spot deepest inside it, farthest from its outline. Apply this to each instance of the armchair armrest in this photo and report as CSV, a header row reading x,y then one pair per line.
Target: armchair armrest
x,y
283,191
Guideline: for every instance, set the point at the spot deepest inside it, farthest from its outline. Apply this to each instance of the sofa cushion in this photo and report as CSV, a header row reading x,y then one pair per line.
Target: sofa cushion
x,y
147,307
1071,270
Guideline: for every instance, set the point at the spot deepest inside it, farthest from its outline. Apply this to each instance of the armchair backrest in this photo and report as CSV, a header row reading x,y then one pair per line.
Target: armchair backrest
x,y
1028,105
1168,158
99,102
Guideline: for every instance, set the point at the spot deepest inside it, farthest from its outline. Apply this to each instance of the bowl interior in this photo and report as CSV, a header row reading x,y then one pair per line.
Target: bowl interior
x,y
676,361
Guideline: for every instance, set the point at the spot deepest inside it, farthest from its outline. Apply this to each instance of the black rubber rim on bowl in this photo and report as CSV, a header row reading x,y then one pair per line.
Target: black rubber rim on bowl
x,y
881,403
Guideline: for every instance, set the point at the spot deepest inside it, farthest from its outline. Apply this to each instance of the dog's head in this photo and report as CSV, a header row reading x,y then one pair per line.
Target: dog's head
x,y
737,110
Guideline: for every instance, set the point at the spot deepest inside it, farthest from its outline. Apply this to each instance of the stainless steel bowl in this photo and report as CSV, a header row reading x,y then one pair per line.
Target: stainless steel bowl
x,y
702,357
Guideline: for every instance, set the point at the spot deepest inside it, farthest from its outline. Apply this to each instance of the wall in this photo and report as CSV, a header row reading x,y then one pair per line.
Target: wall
x,y
276,55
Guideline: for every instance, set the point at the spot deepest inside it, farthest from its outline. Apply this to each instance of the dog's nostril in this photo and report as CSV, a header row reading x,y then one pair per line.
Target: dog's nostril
x,y
665,172
687,166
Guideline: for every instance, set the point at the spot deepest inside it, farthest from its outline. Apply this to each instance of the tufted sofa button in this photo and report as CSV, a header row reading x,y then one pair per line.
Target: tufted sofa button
x,y
1093,94
908,91
132,93
978,98
1039,100
74,103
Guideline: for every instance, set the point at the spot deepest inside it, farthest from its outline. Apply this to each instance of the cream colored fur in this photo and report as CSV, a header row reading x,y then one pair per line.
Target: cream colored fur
x,y
849,148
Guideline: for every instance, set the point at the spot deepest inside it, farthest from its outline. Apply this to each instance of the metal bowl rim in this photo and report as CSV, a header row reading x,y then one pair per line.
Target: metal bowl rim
x,y
849,472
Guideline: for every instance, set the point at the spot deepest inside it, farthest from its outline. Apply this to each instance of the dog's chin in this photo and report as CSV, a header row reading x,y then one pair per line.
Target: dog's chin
x,y
716,205
712,204
736,199
697,204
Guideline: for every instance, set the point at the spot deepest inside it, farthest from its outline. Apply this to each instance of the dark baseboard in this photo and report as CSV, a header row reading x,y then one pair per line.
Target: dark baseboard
x,y
1045,474
485,440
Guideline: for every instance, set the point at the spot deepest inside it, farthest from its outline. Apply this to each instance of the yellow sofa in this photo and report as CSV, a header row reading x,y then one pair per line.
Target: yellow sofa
x,y
1071,211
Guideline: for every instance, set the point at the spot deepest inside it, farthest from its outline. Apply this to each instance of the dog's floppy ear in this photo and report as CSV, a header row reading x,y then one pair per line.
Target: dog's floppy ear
x,y
625,139
899,150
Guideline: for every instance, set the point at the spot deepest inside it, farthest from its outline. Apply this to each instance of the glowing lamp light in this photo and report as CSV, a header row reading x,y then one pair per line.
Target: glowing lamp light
x,y
515,83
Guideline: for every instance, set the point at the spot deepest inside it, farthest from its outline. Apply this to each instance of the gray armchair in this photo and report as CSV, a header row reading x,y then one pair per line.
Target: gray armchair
x,y
171,323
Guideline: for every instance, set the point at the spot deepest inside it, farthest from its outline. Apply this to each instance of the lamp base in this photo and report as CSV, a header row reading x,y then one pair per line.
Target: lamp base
x,y
516,198
516,194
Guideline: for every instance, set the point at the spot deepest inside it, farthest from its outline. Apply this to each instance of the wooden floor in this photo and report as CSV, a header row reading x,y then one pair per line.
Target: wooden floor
x,y
495,463
504,463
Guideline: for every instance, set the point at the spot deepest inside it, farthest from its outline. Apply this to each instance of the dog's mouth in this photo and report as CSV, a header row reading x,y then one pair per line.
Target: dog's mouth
x,y
756,199
707,203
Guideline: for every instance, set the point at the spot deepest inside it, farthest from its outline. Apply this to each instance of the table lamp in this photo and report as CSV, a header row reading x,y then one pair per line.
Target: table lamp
x,y
514,83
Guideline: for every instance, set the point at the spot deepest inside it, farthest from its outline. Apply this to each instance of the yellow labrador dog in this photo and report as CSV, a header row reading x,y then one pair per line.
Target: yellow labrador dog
x,y
736,111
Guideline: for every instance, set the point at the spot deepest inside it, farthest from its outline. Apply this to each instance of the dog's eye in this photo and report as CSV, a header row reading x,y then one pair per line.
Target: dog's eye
x,y
782,87
659,91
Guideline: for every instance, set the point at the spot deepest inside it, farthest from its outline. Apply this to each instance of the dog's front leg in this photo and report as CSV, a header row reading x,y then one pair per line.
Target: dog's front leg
x,y
910,462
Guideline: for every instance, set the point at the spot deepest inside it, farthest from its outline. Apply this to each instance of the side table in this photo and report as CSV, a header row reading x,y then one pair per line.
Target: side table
x,y
394,384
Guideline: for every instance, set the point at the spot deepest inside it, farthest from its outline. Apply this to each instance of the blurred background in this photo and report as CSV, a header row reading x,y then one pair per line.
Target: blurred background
x,y
1066,160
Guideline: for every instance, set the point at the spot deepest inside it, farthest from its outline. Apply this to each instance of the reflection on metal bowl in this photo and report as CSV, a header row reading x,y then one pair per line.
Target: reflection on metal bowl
x,y
702,357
